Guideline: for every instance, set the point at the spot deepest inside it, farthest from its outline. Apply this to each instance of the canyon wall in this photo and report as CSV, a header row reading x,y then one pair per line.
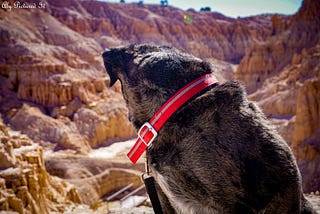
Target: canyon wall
x,y
282,74
206,35
51,68
53,85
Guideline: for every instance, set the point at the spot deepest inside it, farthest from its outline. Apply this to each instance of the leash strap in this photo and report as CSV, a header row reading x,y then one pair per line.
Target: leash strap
x,y
151,189
152,192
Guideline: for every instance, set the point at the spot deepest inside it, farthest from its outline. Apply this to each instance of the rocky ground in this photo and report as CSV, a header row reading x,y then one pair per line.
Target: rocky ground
x,y
314,198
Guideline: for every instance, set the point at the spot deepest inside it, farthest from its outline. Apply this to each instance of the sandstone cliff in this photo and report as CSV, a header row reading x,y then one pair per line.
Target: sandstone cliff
x,y
290,36
25,186
283,75
59,72
52,73
207,35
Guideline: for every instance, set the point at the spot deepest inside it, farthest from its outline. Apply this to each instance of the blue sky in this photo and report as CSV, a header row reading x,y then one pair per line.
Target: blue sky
x,y
234,8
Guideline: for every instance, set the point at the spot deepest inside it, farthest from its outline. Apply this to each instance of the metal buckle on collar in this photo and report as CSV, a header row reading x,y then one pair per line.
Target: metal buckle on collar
x,y
147,134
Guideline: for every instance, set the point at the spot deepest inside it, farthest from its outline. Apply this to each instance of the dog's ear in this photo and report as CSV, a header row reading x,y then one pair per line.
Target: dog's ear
x,y
108,59
113,76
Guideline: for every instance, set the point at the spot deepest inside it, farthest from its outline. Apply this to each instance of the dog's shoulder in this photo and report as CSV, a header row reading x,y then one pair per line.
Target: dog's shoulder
x,y
230,91
225,100
230,94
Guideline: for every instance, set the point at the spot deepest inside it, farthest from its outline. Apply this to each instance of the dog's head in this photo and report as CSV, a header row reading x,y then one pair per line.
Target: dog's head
x,y
150,75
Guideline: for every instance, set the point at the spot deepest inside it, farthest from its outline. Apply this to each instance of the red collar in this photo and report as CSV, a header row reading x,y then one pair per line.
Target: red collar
x,y
149,130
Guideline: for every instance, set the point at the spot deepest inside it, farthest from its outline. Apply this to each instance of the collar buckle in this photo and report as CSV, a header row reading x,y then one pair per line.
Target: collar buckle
x,y
147,134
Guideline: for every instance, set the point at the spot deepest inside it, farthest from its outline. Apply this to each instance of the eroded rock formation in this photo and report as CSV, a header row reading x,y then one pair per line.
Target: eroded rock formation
x,y
25,186
59,73
290,37
282,74
207,35
52,72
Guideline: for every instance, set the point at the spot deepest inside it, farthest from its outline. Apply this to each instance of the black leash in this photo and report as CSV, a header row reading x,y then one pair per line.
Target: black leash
x,y
151,190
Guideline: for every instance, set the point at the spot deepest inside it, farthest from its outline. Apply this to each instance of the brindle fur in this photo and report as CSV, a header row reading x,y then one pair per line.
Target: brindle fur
x,y
216,154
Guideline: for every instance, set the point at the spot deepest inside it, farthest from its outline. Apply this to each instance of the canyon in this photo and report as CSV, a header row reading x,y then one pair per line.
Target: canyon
x,y
57,110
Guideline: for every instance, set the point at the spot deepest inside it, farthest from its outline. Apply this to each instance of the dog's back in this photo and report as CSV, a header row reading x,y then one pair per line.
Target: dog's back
x,y
220,153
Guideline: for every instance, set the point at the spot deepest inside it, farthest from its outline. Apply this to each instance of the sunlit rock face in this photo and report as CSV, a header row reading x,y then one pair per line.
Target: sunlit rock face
x,y
54,88
282,74
25,186
290,37
52,72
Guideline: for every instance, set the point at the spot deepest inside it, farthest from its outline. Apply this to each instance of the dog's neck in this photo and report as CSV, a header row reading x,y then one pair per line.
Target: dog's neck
x,y
149,130
143,107
141,111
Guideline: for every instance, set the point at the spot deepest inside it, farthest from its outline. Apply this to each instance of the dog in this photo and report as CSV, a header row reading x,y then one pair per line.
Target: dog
x,y
216,154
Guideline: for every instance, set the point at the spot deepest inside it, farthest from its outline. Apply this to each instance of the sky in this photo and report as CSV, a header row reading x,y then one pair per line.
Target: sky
x,y
234,8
